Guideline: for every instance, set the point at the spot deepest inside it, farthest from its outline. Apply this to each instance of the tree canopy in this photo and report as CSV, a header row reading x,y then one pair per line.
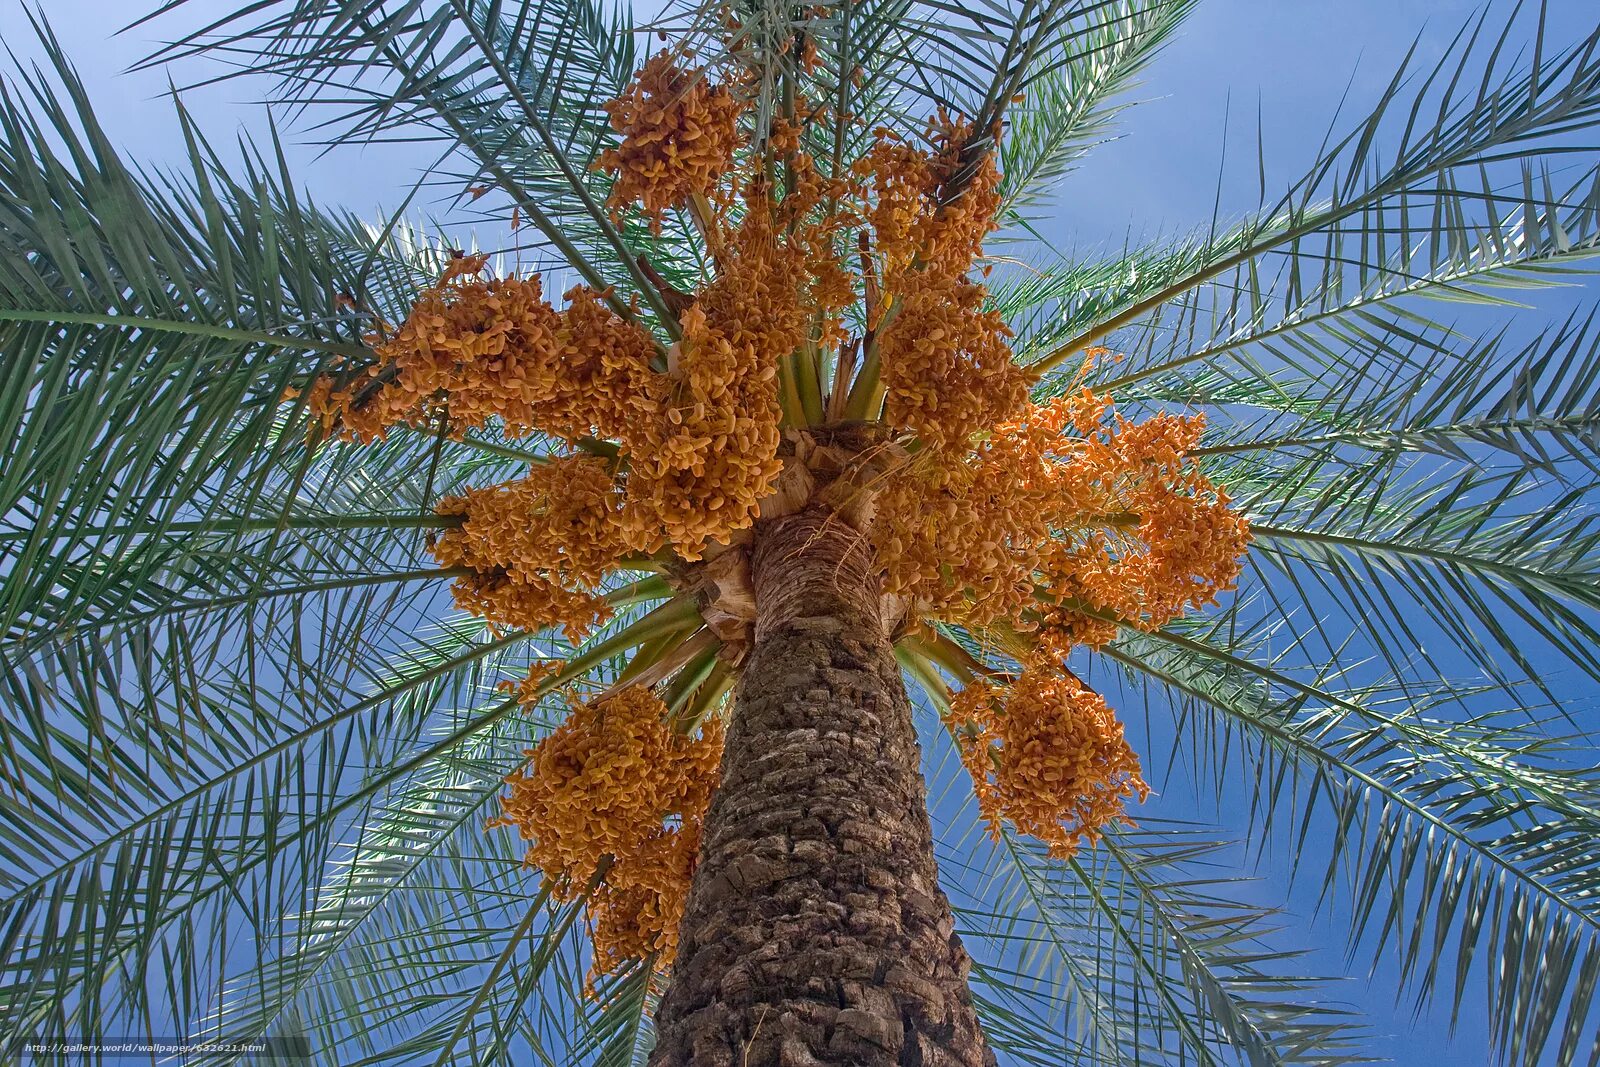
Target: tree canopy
x,y
249,751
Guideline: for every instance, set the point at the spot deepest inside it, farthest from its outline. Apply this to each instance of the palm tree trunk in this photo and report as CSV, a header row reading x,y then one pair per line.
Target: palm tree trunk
x,y
816,932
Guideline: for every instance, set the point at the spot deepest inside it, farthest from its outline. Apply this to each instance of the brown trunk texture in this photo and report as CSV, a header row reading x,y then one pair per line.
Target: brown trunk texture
x,y
816,932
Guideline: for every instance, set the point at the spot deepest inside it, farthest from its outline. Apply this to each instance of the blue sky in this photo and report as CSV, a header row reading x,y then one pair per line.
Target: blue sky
x,y
1289,62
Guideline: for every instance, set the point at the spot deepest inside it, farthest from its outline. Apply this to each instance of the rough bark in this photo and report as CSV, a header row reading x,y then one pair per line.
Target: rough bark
x,y
816,932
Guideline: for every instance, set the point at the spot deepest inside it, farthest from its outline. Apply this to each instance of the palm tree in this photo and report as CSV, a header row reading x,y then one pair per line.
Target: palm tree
x,y
249,750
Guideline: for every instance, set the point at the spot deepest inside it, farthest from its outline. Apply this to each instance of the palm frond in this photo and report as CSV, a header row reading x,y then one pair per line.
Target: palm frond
x,y
514,91
1476,181
1456,844
1137,951
1071,105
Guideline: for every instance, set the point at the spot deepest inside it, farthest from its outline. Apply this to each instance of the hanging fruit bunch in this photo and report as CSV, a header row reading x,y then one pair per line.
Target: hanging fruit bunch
x,y
841,350
1046,755
612,801
538,547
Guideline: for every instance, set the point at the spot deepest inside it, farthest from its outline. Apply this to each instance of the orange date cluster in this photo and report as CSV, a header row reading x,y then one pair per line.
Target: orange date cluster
x,y
612,802
1047,755
1057,521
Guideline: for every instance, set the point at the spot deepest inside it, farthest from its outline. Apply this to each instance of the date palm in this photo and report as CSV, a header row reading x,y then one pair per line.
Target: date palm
x,y
249,750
